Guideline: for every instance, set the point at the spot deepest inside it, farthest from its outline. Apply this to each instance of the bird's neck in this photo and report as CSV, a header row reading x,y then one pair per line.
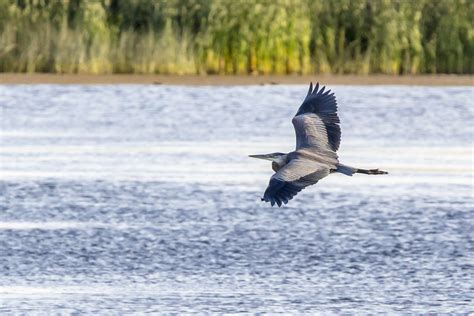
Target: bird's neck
x,y
278,163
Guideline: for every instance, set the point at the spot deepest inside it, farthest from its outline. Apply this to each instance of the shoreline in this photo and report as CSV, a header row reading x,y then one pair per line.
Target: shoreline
x,y
228,80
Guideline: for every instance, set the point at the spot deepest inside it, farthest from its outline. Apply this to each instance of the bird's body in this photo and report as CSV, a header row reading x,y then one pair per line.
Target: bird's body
x,y
318,136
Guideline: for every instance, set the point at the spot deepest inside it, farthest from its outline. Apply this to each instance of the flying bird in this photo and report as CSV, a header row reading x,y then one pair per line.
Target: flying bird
x,y
318,135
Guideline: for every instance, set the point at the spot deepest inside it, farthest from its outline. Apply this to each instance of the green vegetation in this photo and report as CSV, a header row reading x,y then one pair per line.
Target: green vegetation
x,y
237,36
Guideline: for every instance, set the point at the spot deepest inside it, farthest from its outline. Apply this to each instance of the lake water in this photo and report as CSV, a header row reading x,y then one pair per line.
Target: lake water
x,y
140,198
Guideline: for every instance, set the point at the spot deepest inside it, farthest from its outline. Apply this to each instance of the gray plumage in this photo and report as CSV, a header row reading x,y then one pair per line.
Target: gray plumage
x,y
318,136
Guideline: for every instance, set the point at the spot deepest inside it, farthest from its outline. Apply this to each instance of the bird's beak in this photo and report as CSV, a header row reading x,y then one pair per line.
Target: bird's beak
x,y
260,157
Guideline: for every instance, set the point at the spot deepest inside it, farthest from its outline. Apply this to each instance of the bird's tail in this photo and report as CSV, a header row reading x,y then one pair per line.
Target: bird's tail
x,y
349,171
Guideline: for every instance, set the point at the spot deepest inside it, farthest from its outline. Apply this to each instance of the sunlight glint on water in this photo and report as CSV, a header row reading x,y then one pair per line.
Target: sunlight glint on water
x,y
142,199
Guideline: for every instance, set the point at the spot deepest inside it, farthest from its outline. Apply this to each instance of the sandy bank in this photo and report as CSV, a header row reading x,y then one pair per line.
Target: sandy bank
x,y
191,80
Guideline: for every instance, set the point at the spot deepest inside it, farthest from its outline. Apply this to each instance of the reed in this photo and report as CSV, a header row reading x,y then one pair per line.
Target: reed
x,y
237,37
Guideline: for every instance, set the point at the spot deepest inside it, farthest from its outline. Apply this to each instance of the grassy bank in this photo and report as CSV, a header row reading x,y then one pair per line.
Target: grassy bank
x,y
237,37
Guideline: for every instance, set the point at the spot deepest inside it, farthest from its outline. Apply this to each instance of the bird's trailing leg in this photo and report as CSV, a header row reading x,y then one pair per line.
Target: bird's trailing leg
x,y
371,171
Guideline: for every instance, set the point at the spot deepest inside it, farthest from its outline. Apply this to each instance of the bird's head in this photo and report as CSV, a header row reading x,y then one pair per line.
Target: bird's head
x,y
276,157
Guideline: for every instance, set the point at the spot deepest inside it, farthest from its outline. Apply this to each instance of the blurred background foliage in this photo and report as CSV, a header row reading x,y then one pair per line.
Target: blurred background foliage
x,y
237,36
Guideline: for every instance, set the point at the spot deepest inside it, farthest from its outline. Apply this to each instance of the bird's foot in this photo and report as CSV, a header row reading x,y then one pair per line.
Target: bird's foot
x,y
376,171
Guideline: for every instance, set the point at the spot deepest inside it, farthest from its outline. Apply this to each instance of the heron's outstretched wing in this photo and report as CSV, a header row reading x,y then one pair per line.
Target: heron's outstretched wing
x,y
292,178
316,122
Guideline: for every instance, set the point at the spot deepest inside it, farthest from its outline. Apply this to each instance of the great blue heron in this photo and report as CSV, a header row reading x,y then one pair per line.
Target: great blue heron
x,y
318,136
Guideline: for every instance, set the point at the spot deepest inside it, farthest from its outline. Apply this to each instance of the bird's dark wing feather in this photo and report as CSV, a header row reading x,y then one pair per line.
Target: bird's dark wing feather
x,y
318,115
292,178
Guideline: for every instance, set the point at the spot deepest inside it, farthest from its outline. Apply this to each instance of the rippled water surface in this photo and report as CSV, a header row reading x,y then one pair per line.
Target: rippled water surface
x,y
142,199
